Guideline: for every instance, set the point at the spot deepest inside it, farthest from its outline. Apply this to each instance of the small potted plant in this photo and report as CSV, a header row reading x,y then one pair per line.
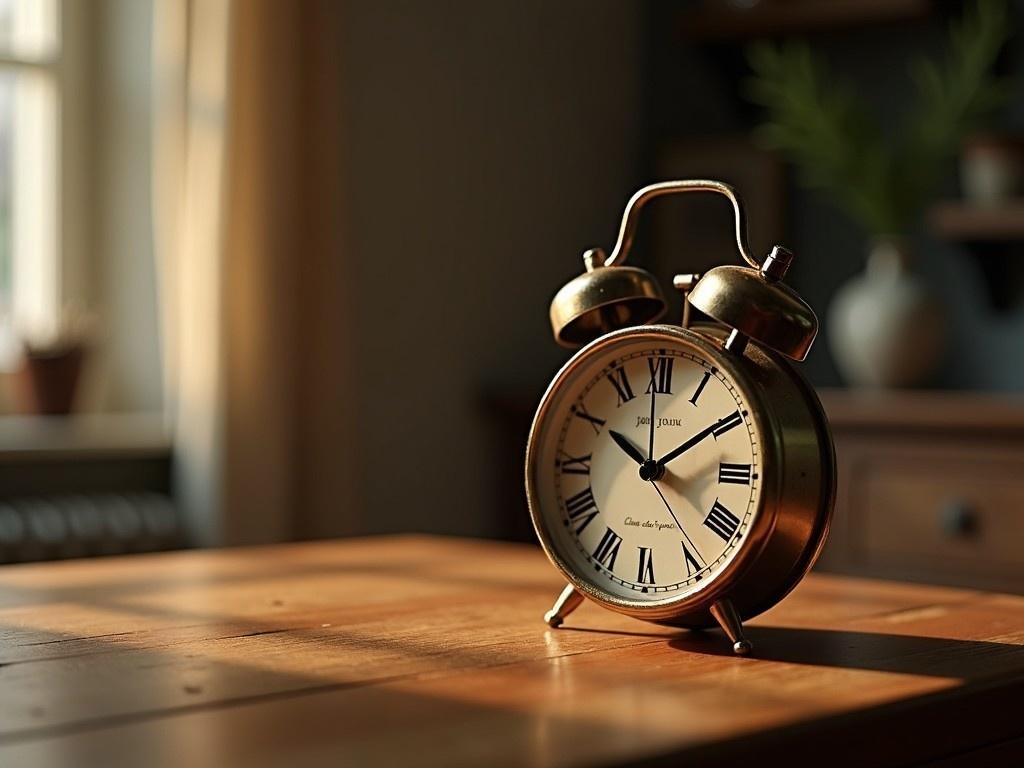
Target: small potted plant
x,y
885,328
51,365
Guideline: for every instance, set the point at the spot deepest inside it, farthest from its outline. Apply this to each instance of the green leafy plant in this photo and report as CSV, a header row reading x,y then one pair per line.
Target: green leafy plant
x,y
882,180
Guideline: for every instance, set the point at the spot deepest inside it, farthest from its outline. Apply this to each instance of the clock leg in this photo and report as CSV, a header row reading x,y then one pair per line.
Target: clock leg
x,y
566,603
725,614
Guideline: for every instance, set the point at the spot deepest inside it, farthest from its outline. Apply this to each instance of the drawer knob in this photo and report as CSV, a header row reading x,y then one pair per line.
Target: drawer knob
x,y
958,519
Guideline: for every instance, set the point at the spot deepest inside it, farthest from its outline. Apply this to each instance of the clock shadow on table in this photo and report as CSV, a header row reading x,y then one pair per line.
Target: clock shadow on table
x,y
967,660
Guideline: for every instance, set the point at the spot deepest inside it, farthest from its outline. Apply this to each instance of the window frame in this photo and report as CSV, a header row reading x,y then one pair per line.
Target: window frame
x,y
44,287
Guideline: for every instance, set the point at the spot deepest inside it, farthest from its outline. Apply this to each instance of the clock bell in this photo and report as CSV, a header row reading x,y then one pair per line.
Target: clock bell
x,y
752,301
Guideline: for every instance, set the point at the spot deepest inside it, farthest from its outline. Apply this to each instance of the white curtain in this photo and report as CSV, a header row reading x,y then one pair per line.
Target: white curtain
x,y
190,129
247,214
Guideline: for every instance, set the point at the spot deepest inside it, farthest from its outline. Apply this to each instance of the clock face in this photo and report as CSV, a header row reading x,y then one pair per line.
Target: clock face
x,y
648,466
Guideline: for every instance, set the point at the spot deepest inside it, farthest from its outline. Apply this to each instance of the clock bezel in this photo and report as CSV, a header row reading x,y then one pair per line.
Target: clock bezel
x,y
721,583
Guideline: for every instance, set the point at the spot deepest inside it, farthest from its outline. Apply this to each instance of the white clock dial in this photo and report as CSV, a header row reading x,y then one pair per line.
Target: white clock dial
x,y
649,472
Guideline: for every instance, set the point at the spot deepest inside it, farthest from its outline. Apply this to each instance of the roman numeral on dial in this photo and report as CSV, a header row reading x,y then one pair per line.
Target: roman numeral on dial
x,y
700,387
581,509
608,549
595,422
576,465
722,521
645,573
734,473
621,383
693,563
724,425
661,375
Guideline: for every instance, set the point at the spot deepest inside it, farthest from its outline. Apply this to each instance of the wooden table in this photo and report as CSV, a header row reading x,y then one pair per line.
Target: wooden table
x,y
417,650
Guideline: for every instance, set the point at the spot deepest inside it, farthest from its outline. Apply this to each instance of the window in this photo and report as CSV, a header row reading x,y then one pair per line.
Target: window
x,y
30,227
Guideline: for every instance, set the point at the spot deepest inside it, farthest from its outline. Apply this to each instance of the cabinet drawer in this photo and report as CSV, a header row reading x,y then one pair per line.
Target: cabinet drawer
x,y
958,514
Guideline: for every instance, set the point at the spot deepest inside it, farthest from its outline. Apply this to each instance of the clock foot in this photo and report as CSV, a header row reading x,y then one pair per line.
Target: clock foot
x,y
566,603
725,614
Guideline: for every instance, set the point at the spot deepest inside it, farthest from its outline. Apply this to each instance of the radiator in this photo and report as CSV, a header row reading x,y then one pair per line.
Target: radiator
x,y
85,525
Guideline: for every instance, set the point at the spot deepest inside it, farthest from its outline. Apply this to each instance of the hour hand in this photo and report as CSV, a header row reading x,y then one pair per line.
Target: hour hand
x,y
630,450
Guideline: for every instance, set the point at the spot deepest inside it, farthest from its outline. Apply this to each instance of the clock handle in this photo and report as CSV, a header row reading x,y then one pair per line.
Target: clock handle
x,y
627,230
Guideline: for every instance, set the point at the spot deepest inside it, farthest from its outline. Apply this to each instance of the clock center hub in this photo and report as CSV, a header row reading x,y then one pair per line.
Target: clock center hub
x,y
651,470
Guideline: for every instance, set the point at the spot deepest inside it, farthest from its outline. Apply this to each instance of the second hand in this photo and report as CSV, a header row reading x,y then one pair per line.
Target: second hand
x,y
678,524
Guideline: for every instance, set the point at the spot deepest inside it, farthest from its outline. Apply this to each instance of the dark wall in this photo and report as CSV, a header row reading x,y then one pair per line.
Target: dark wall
x,y
486,145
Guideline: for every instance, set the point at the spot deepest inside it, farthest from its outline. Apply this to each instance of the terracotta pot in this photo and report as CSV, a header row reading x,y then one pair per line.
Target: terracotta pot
x,y
48,381
885,328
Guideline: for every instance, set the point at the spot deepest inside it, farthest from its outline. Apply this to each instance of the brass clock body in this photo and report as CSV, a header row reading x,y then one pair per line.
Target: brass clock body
x,y
796,473
748,489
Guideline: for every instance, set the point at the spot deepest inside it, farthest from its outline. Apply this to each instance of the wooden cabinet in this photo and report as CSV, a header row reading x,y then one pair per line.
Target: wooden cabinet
x,y
931,487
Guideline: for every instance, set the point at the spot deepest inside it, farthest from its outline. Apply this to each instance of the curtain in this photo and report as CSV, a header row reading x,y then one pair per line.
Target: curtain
x,y
190,63
248,236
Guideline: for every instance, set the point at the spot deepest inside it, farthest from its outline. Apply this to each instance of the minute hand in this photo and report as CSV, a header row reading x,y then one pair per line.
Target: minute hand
x,y
719,425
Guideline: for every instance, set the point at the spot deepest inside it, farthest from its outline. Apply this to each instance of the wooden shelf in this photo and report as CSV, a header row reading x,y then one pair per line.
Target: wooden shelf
x,y
960,221
718,21
83,436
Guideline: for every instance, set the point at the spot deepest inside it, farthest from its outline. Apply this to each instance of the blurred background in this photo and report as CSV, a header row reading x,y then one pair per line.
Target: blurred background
x,y
275,271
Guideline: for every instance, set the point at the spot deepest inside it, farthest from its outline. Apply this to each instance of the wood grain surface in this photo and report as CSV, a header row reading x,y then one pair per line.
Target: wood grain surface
x,y
429,651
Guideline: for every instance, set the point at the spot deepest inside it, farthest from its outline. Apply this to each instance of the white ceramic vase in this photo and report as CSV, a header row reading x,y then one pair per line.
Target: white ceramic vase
x,y
884,326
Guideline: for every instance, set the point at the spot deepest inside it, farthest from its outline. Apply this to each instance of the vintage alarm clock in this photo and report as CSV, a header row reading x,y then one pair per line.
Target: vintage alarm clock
x,y
682,474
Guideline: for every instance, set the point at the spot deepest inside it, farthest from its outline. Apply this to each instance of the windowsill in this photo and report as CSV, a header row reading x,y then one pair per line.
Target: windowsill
x,y
137,435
